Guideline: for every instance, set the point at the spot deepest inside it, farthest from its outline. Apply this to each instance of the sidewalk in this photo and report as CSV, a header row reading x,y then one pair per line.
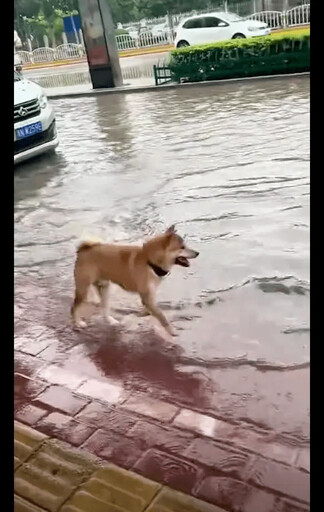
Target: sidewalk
x,y
146,85
236,466
130,85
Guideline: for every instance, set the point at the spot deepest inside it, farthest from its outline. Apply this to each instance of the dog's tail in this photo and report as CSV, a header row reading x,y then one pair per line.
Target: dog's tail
x,y
87,244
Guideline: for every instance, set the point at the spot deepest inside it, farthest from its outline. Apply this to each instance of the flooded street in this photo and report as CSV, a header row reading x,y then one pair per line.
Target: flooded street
x,y
229,165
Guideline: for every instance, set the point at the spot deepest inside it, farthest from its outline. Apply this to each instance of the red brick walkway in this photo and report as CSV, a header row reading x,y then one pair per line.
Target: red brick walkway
x,y
237,466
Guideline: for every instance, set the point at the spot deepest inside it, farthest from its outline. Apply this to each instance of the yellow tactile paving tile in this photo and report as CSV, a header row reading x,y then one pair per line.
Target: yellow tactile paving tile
x,y
26,440
22,505
52,474
113,489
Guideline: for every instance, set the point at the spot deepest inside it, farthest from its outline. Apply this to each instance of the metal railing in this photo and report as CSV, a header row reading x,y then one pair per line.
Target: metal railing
x,y
50,81
45,54
143,40
69,51
25,57
274,19
299,15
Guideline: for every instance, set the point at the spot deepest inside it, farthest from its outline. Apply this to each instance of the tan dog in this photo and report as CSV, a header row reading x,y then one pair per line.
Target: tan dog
x,y
135,268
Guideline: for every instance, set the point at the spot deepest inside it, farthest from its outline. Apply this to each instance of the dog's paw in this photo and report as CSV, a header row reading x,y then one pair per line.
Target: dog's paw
x,y
111,320
170,330
143,312
80,324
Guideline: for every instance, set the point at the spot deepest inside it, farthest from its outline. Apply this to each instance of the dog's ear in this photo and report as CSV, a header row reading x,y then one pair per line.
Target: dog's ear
x,y
171,230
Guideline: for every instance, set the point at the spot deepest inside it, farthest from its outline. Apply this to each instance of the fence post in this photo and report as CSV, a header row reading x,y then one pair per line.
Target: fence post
x,y
81,37
284,13
171,26
155,74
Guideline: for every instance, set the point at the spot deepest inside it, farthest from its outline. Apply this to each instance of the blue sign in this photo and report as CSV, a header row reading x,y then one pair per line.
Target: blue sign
x,y
71,24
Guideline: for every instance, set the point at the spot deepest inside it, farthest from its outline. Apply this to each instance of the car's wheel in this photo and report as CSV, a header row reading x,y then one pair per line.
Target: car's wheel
x,y
239,36
182,44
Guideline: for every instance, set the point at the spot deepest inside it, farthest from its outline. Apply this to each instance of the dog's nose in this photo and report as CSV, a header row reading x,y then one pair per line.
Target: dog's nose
x,y
197,254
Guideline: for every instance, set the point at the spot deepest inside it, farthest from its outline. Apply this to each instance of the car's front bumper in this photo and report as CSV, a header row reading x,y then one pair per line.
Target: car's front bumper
x,y
36,150
38,143
264,32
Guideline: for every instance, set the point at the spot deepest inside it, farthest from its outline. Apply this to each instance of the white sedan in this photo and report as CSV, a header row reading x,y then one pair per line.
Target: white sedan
x,y
34,120
218,26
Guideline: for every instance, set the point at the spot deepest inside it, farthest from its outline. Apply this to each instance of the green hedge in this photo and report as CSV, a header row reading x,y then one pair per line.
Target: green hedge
x,y
239,58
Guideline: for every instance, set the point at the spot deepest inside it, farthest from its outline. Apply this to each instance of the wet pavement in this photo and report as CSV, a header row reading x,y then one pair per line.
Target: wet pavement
x,y
227,404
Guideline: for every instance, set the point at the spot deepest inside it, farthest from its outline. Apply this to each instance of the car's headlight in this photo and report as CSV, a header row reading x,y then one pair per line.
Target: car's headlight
x,y
43,100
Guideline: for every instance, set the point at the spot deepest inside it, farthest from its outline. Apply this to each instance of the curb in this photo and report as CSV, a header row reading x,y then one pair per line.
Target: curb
x,y
52,476
147,88
55,64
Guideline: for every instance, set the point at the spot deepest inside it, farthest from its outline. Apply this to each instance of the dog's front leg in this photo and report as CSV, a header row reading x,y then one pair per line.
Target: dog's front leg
x,y
148,301
104,294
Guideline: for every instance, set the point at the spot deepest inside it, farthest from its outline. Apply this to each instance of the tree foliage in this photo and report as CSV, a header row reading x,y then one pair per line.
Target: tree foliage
x,y
135,10
40,15
37,18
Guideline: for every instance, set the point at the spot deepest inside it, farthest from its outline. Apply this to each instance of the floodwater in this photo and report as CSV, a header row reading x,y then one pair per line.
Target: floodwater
x,y
229,165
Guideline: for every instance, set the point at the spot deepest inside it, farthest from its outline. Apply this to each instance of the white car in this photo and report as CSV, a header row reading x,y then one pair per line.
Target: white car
x,y
218,26
34,120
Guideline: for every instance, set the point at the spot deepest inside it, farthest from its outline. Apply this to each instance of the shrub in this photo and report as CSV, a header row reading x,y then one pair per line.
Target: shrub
x,y
238,58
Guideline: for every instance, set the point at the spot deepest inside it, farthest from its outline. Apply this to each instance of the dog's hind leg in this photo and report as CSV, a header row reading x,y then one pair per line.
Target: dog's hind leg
x,y
93,296
104,294
82,285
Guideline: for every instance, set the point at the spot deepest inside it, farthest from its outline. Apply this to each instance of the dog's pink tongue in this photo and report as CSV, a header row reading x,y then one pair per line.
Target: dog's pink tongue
x,y
181,260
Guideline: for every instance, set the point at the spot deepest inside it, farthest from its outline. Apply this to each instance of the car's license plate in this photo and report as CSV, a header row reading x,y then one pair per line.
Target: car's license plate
x,y
27,131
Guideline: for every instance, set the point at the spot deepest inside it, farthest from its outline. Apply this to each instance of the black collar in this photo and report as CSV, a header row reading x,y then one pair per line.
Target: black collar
x,y
158,270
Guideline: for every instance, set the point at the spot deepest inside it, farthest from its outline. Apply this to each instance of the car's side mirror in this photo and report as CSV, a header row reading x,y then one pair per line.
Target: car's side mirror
x,y
222,24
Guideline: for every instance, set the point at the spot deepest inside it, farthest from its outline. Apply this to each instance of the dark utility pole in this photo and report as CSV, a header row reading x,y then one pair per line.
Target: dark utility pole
x,y
99,39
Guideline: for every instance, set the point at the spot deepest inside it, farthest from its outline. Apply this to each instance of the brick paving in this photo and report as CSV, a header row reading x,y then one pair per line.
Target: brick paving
x,y
236,467
76,389
50,476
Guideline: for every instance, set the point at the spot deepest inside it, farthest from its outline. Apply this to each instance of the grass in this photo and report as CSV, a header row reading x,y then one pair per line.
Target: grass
x,y
300,31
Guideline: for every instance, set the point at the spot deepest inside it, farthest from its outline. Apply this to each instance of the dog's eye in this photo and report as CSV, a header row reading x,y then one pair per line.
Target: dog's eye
x,y
183,247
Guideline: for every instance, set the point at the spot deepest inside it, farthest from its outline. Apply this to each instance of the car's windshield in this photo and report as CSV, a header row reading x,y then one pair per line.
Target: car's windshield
x,y
16,76
230,16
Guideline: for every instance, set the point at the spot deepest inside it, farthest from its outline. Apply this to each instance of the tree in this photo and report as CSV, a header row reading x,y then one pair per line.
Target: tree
x,y
42,17
123,11
27,8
